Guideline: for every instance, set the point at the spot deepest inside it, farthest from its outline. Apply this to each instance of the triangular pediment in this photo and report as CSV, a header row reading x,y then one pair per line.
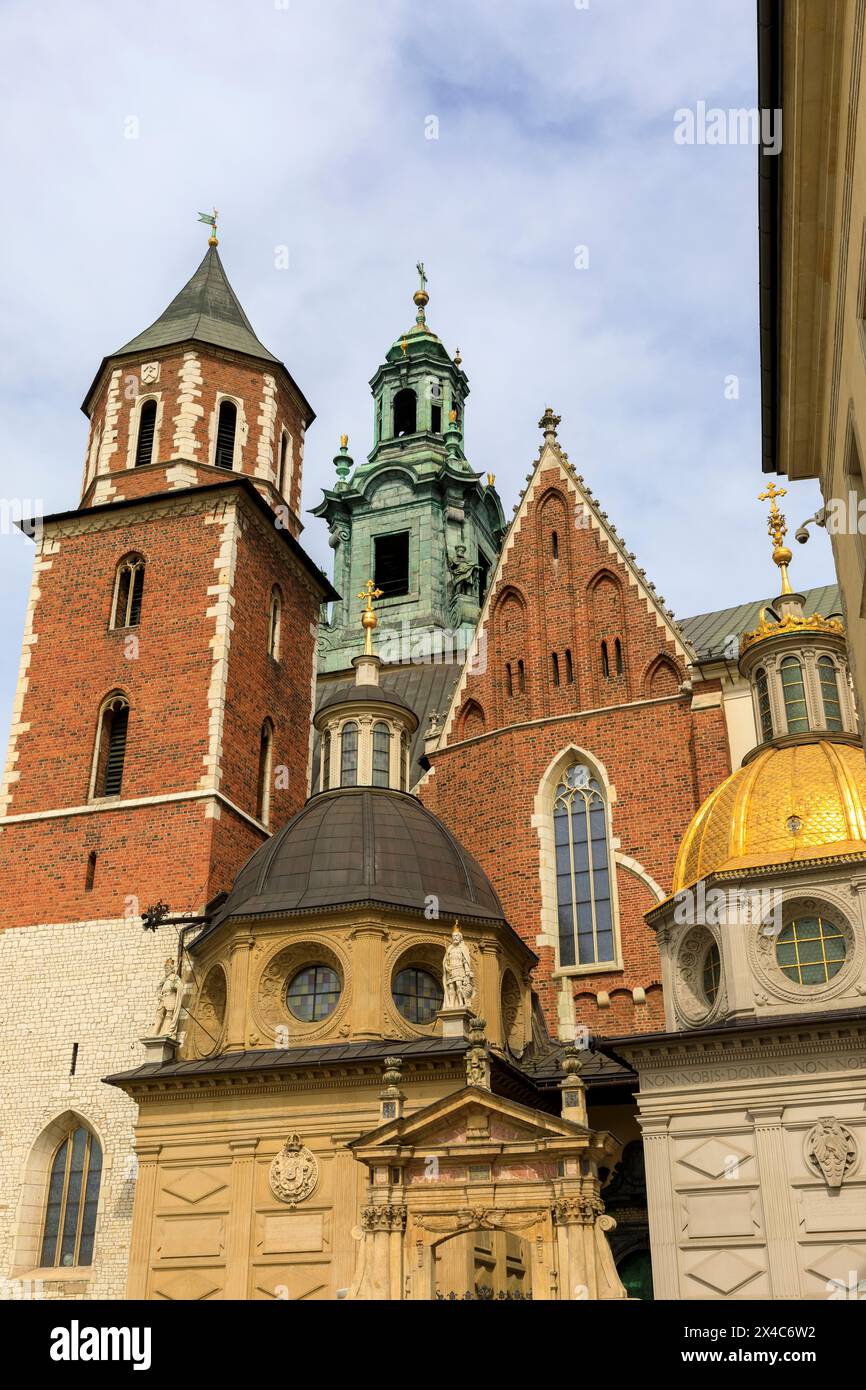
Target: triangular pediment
x,y
468,1116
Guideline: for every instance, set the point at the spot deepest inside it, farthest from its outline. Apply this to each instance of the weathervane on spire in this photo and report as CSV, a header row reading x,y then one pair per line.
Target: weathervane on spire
x,y
368,618
211,220
777,527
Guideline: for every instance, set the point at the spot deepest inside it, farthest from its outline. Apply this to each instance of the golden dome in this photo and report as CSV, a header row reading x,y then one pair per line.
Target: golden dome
x,y
792,802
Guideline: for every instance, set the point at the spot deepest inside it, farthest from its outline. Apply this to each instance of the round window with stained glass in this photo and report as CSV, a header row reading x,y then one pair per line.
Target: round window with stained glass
x,y
811,950
417,994
313,993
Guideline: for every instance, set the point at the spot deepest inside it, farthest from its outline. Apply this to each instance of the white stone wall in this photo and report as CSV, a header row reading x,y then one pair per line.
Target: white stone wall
x,y
93,983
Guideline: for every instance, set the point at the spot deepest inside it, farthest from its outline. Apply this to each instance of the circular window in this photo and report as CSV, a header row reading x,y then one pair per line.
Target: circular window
x,y
712,973
417,994
811,950
313,993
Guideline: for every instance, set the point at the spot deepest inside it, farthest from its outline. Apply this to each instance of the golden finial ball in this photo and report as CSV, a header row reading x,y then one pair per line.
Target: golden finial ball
x,y
421,298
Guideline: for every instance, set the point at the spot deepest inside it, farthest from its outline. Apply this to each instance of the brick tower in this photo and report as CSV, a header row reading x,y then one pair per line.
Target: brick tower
x,y
161,722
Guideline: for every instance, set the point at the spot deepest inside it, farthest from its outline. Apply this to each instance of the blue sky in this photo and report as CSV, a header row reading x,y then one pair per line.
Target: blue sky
x,y
306,124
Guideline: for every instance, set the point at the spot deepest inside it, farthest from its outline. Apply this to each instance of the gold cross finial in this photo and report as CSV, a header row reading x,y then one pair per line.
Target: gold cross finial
x,y
777,528
368,617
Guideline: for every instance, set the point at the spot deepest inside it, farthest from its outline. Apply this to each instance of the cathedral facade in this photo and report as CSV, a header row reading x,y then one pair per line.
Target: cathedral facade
x,y
340,920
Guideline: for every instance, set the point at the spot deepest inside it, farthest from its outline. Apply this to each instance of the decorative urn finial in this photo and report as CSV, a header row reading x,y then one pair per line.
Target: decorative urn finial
x,y
343,460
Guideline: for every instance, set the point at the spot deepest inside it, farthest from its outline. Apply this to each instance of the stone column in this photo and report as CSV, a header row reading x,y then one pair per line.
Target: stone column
x,y
383,1224
142,1220
239,973
780,1217
240,1217
660,1200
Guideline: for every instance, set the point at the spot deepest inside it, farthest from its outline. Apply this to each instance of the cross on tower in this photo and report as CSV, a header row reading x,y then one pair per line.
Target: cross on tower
x,y
771,494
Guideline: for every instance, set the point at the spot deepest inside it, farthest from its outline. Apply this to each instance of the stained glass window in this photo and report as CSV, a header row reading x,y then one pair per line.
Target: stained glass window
x,y
71,1205
313,993
582,871
811,950
417,994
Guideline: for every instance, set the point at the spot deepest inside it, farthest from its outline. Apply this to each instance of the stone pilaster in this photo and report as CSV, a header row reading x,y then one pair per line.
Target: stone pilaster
x,y
660,1193
780,1218
240,1217
142,1224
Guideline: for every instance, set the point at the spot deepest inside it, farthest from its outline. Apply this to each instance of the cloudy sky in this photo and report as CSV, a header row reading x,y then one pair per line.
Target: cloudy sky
x,y
307,123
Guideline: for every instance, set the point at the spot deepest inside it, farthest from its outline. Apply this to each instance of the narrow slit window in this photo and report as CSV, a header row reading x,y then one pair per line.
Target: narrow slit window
x,y
521,677
554,660
90,876
146,433
509,678
617,648
569,667
263,788
605,664
554,545
275,619
227,423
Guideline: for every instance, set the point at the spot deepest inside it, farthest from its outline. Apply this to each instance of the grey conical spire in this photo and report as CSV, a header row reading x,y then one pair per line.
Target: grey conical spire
x,y
207,310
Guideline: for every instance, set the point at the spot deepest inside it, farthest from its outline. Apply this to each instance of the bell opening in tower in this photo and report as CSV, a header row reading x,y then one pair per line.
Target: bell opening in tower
x,y
405,407
392,564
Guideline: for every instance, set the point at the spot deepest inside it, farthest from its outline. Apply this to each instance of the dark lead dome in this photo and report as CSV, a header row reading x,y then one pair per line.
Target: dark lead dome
x,y
363,844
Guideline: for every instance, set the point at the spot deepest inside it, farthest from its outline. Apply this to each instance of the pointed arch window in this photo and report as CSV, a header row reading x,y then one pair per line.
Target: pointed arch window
x,y
146,434
585,916
111,746
830,692
794,693
128,591
349,755
381,755
275,623
764,712
69,1222
227,424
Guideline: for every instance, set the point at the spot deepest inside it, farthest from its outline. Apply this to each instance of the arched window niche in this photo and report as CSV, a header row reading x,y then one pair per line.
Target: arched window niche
x,y
57,1215
579,913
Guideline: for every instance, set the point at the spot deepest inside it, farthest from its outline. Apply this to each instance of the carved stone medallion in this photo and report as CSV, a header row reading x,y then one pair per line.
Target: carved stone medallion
x,y
294,1172
831,1150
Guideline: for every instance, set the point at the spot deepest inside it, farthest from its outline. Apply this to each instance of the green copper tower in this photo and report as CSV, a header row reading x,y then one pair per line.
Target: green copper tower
x,y
414,517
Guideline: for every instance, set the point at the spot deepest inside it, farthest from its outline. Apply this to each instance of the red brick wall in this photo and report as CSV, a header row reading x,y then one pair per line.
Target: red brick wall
x,y
223,373
661,757
173,852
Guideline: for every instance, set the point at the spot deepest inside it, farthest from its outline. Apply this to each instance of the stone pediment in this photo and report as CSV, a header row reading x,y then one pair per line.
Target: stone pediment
x,y
475,1117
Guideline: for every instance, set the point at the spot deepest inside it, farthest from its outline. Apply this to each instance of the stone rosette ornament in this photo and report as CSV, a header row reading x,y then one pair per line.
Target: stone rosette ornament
x,y
294,1172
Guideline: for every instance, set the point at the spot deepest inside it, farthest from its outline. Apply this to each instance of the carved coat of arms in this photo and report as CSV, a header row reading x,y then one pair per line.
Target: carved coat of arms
x,y
294,1172
831,1150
